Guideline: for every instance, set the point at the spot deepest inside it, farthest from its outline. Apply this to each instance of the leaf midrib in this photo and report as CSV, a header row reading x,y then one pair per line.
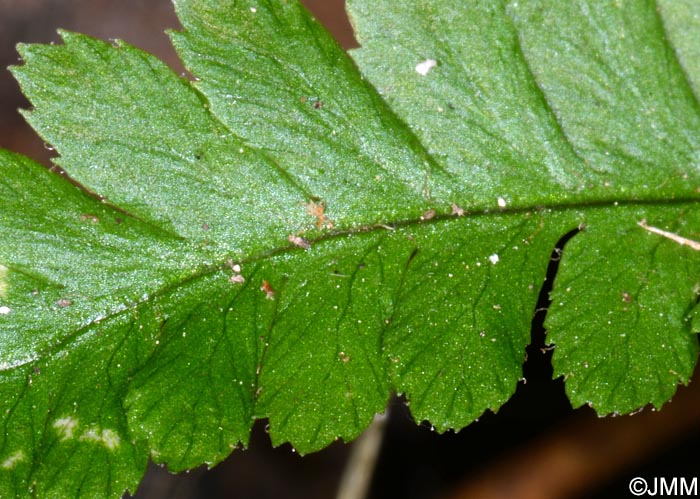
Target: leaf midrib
x,y
209,270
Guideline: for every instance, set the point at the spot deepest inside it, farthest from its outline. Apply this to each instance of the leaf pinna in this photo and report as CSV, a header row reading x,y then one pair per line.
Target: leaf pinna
x,y
296,233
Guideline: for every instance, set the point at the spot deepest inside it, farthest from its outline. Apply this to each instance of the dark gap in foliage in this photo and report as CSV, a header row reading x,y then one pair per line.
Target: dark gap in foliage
x,y
417,462
538,366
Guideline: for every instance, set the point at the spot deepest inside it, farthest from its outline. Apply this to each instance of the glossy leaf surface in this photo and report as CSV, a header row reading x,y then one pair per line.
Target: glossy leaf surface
x,y
287,237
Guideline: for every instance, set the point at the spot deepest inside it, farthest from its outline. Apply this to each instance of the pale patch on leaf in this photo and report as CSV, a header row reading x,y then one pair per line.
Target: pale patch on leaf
x,y
108,438
65,427
4,285
13,459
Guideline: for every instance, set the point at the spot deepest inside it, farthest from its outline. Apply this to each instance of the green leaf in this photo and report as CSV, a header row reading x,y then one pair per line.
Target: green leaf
x,y
621,310
601,81
681,21
71,273
279,239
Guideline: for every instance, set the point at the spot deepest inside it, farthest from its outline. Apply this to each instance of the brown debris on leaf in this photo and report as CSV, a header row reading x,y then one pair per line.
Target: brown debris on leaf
x,y
269,291
317,209
299,241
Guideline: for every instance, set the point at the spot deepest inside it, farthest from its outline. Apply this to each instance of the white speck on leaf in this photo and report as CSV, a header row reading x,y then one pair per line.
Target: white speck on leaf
x,y
501,203
424,67
236,278
494,258
4,310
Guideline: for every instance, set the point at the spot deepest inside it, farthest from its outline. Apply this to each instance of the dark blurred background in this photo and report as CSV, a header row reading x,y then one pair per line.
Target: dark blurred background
x,y
536,446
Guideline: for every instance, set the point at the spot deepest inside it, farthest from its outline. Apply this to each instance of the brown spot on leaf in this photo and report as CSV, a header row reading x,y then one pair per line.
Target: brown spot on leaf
x,y
428,215
268,290
317,209
457,210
